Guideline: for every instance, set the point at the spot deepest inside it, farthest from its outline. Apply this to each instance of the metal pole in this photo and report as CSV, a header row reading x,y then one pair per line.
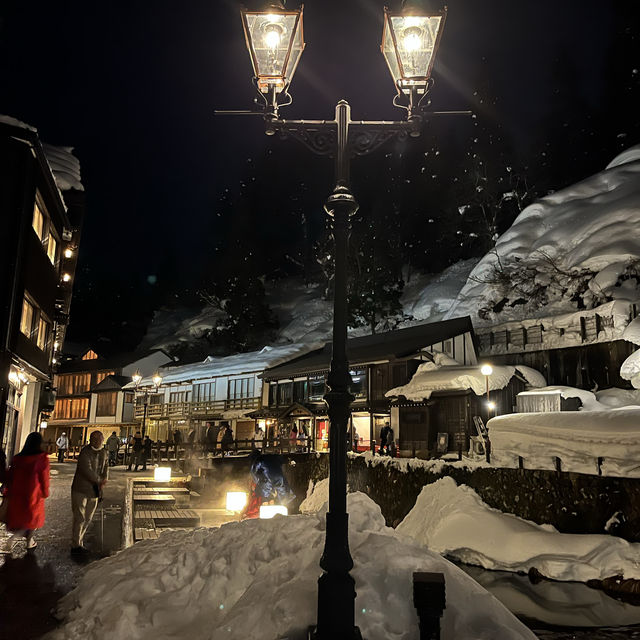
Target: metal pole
x,y
144,413
336,587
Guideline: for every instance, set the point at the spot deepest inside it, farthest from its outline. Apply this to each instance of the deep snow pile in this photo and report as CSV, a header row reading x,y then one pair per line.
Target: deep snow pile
x,y
453,520
444,374
258,579
603,400
578,438
574,243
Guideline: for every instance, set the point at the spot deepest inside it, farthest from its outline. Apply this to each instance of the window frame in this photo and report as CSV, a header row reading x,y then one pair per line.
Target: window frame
x,y
106,409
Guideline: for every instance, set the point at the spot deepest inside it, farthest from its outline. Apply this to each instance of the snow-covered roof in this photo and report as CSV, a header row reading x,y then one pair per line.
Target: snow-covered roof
x,y
445,374
578,438
239,363
14,122
582,227
64,166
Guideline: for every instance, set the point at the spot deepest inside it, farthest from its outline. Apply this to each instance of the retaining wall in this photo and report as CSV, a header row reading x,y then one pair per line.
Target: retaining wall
x,y
572,502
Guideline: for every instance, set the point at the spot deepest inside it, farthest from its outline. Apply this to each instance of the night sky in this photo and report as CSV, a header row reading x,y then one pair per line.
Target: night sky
x,y
171,188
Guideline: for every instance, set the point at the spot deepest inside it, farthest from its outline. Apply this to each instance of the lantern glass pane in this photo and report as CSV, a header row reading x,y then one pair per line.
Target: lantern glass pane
x,y
297,46
270,36
416,37
389,51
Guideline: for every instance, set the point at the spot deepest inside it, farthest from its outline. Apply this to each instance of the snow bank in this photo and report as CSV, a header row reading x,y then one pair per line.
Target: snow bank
x,y
258,579
584,227
429,296
454,521
578,438
444,375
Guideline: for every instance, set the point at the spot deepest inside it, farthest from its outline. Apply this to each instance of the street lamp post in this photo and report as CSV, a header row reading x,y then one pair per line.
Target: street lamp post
x,y
137,379
275,42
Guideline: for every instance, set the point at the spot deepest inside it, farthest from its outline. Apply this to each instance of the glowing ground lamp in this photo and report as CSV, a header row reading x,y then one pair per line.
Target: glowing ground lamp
x,y
236,501
267,511
410,40
275,42
162,474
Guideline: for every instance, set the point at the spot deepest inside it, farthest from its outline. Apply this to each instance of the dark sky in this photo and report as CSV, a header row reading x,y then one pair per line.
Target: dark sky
x,y
133,85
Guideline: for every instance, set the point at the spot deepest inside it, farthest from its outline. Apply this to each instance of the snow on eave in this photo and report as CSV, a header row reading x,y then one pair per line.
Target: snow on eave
x,y
65,167
238,364
14,122
628,155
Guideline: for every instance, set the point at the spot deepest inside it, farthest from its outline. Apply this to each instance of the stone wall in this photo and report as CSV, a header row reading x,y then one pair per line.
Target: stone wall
x,y
572,502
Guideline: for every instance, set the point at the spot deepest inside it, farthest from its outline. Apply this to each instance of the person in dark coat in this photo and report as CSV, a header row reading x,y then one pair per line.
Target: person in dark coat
x,y
227,439
268,484
136,450
146,451
383,439
212,437
26,488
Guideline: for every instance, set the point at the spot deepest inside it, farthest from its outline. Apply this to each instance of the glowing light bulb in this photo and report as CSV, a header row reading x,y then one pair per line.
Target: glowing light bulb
x,y
486,370
68,253
66,277
412,39
272,36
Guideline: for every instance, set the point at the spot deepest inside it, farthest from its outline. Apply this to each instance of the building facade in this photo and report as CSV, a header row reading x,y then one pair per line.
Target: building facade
x,y
41,207
186,398
294,391
91,394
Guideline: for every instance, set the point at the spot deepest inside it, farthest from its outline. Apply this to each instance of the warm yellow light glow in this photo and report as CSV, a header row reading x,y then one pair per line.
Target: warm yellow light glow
x,y
273,35
267,511
136,377
68,253
412,39
236,501
44,424
486,370
157,379
162,474
56,346
66,277
13,378
491,406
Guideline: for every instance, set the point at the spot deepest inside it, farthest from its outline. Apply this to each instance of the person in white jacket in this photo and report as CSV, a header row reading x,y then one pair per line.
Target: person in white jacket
x,y
63,445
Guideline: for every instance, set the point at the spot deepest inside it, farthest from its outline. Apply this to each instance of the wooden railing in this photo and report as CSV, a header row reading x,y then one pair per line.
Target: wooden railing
x,y
202,408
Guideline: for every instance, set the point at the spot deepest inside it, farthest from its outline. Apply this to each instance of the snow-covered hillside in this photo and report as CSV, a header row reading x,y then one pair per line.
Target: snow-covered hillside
x,y
574,246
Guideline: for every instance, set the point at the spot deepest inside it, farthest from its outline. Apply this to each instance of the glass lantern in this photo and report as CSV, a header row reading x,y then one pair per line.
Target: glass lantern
x,y
275,42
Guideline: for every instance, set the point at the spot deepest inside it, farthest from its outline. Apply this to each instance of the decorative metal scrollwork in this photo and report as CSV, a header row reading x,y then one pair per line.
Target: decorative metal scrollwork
x,y
364,139
319,138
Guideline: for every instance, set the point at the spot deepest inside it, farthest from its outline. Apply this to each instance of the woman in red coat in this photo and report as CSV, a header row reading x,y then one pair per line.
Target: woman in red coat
x,y
27,486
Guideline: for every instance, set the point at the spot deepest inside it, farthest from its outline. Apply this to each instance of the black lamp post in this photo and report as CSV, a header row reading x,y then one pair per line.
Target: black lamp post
x,y
137,379
275,43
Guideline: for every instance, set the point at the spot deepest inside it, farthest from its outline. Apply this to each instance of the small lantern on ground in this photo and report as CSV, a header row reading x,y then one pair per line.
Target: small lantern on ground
x,y
236,501
162,474
268,511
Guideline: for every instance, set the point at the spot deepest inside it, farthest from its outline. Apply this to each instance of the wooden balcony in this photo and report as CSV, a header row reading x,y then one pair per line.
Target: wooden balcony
x,y
183,410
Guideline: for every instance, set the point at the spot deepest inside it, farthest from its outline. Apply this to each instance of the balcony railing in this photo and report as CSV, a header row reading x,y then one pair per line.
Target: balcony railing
x,y
208,408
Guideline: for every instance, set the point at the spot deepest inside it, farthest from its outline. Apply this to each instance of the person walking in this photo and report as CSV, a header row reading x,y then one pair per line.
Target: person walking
x,y
391,443
86,489
146,451
136,450
63,445
227,440
212,437
383,438
26,488
113,445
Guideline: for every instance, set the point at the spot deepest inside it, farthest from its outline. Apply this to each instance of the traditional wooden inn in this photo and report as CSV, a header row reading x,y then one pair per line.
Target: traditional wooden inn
x,y
41,207
445,405
91,394
583,349
293,391
187,397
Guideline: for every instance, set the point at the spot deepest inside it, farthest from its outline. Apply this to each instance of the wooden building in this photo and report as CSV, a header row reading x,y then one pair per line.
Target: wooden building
x,y
91,394
582,349
41,211
438,410
294,391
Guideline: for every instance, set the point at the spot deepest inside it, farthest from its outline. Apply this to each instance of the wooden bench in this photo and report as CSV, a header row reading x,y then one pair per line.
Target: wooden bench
x,y
147,499
160,490
146,534
169,517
